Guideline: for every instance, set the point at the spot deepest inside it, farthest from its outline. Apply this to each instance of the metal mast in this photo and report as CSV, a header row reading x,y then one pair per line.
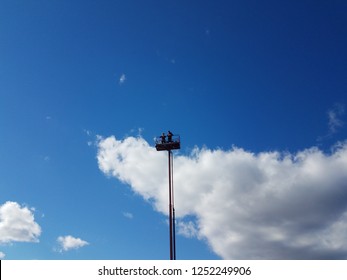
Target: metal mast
x,y
162,144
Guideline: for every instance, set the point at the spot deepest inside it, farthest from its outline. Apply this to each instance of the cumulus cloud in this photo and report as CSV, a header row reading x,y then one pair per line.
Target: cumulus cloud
x,y
187,229
69,242
2,255
269,205
17,224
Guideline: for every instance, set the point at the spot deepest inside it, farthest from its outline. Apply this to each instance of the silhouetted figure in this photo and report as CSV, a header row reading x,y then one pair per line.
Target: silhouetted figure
x,y
163,138
169,136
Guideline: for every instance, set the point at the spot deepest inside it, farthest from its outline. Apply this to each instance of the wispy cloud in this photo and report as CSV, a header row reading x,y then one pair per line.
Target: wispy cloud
x,y
335,117
335,121
122,79
69,242
270,205
2,255
17,224
87,132
128,215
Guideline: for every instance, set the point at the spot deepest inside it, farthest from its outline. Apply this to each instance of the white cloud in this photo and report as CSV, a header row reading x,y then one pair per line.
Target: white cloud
x,y
269,205
122,79
334,117
128,215
69,242
87,132
187,229
2,255
17,224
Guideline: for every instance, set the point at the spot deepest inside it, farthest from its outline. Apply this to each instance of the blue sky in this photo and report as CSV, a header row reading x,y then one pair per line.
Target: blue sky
x,y
257,91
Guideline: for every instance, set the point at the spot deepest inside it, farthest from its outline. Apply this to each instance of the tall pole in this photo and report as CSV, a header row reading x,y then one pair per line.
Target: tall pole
x,y
173,212
163,145
170,209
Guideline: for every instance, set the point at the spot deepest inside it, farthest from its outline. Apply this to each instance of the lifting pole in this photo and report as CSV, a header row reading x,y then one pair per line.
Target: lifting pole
x,y
161,144
170,208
